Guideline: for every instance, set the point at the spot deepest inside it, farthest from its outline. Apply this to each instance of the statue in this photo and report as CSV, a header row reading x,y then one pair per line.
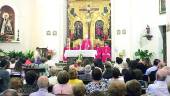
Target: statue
x,y
88,18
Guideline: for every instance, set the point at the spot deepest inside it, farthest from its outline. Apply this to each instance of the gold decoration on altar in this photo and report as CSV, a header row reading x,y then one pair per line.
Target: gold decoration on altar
x,y
98,41
77,42
87,13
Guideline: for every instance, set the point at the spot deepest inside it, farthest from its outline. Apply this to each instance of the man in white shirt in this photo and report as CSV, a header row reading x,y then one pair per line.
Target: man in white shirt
x,y
153,68
159,87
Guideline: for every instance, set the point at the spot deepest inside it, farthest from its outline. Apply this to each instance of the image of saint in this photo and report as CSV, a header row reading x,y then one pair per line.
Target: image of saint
x,y
99,29
78,33
163,5
6,26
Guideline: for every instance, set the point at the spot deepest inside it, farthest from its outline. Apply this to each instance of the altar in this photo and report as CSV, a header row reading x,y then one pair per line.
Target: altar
x,y
73,54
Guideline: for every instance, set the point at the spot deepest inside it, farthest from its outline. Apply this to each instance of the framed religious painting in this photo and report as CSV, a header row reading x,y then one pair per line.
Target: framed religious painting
x,y
54,33
7,24
162,6
118,32
48,33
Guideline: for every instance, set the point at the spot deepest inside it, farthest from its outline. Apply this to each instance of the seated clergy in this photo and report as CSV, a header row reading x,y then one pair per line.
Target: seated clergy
x,y
98,48
106,52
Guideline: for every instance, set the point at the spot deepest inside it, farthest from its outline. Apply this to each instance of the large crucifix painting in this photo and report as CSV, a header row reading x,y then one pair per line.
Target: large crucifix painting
x,y
89,19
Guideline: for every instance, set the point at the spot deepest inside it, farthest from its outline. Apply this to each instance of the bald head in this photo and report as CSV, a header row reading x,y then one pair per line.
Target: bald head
x,y
167,69
161,65
42,82
10,92
161,75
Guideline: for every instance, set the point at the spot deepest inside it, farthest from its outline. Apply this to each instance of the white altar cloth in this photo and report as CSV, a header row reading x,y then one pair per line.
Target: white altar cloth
x,y
76,53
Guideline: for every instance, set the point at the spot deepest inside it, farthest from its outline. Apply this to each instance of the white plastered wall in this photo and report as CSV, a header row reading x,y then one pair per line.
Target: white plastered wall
x,y
134,16
24,21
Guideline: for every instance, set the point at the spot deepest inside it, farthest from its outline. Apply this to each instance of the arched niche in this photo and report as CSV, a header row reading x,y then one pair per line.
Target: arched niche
x,y
7,23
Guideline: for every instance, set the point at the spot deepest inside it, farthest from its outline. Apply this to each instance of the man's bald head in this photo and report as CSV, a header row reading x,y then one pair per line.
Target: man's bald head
x,y
161,75
43,82
167,69
10,92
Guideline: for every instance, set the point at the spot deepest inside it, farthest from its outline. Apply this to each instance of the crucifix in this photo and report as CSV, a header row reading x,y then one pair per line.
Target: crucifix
x,y
89,13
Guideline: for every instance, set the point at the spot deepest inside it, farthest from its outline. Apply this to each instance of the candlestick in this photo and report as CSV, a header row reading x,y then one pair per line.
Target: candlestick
x,y
18,36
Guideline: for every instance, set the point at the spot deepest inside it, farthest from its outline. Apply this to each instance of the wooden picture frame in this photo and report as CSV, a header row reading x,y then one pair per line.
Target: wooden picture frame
x,y
162,6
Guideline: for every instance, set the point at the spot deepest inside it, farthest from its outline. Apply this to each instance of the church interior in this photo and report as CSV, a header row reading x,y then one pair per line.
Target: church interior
x,y
48,37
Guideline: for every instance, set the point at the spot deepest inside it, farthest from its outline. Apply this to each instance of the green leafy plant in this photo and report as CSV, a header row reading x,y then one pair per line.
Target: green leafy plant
x,y
80,57
1,50
11,54
20,54
29,54
2,53
143,54
15,54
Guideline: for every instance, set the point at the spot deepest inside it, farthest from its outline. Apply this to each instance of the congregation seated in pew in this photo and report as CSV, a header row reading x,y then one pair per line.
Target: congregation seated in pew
x,y
91,76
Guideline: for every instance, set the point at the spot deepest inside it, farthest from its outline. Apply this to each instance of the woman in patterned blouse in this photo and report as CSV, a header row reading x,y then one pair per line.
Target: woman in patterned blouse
x,y
96,84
